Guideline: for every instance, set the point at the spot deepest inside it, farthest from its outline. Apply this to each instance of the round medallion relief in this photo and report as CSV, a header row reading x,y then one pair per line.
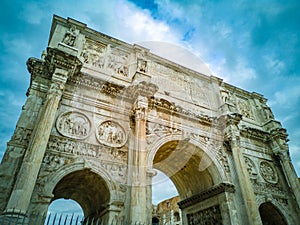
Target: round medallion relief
x,y
268,172
111,134
73,124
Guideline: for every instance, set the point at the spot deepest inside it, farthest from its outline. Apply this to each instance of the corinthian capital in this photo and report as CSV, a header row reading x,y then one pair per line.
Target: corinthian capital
x,y
57,59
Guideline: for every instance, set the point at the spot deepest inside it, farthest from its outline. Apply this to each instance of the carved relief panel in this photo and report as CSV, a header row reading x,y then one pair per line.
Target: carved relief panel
x,y
111,134
74,125
106,58
209,216
251,167
244,108
268,172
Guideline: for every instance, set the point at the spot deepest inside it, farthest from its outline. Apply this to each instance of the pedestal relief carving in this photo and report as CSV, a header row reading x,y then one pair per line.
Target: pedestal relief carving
x,y
111,134
74,125
209,216
268,172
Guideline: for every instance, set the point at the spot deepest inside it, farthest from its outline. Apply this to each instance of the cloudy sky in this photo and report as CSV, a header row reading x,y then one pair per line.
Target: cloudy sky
x,y
253,44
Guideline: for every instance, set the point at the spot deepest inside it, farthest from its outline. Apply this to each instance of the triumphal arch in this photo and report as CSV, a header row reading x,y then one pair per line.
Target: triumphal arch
x,y
101,115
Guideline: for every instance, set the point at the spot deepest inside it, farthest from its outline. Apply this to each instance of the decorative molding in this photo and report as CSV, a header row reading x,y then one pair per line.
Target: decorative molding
x,y
56,58
111,133
73,124
104,87
250,132
168,107
211,192
267,188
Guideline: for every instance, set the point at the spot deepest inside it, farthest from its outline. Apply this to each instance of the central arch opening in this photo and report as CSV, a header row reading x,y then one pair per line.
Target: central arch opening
x,y
187,169
186,165
86,188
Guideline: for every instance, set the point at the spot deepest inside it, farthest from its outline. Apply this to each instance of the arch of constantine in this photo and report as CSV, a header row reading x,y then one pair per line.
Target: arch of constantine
x,y
102,116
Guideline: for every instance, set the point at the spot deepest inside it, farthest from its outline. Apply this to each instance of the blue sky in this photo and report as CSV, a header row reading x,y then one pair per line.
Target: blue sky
x,y
253,44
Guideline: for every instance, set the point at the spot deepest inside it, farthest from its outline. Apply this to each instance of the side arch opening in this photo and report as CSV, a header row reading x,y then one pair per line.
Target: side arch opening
x,y
270,214
88,189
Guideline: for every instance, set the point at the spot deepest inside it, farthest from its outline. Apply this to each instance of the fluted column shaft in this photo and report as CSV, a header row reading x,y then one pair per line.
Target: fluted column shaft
x,y
245,184
26,179
138,206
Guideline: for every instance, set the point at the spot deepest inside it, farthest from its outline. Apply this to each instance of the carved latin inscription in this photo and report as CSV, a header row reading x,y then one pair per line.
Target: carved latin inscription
x,y
111,134
74,125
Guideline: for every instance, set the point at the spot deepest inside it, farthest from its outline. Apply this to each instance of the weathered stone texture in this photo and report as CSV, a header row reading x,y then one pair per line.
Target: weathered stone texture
x,y
102,114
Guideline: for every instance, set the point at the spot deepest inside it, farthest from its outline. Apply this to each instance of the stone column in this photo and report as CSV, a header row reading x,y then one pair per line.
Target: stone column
x,y
280,147
138,206
138,155
26,179
233,136
21,194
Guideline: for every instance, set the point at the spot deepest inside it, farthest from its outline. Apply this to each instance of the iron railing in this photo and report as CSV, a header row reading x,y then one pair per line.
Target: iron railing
x,y
14,218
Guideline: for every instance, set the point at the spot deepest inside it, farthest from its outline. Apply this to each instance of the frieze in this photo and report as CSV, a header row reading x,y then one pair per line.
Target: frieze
x,y
166,106
251,168
262,187
111,134
104,87
74,125
209,216
105,57
211,192
88,150
268,172
255,134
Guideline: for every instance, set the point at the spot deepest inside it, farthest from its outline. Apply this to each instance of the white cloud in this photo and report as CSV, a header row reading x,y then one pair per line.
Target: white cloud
x,y
138,25
274,65
286,97
162,188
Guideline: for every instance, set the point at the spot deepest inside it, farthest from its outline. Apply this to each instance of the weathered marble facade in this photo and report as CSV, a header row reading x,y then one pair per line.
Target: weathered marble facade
x,y
101,114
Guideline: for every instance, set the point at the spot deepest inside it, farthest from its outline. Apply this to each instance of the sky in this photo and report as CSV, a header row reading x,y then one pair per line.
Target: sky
x,y
254,45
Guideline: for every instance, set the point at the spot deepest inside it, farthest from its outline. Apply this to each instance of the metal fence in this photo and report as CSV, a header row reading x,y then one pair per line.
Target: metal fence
x,y
14,218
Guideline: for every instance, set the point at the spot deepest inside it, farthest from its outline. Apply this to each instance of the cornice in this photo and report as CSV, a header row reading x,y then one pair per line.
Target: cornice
x,y
213,191
56,58
250,132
